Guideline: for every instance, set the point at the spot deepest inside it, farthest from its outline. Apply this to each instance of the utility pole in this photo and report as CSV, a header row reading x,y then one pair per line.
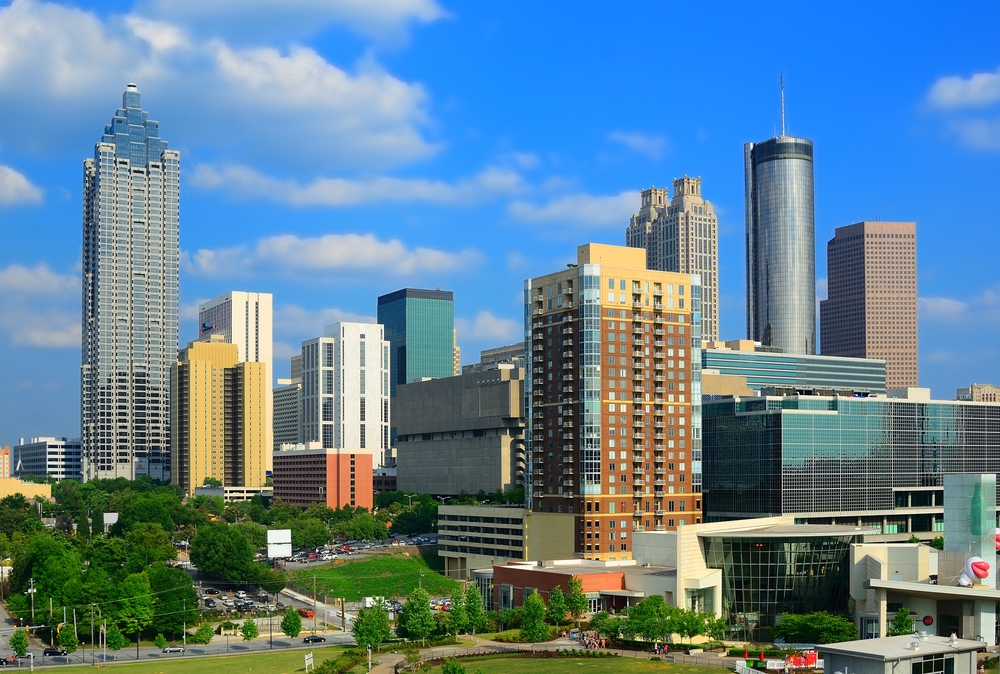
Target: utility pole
x,y
343,617
314,604
184,604
420,583
93,653
31,590
75,633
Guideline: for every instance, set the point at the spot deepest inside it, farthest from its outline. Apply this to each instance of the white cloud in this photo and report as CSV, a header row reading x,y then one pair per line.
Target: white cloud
x,y
982,134
821,290
651,145
331,254
244,182
293,320
62,68
488,327
16,189
579,209
954,91
261,19
189,310
40,307
941,308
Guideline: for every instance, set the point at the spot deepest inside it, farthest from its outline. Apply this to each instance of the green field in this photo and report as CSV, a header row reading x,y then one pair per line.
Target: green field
x,y
587,665
391,576
277,663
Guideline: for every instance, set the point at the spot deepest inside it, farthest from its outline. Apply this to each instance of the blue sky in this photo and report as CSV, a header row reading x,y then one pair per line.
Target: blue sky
x,y
335,150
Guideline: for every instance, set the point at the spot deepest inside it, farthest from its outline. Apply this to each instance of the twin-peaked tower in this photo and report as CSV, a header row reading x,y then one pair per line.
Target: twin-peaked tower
x,y
130,250
681,235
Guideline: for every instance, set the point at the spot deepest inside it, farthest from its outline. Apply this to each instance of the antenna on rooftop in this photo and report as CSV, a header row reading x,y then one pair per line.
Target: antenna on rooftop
x,y
781,81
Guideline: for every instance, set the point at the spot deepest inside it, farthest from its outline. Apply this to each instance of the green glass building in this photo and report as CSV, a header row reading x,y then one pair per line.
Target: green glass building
x,y
874,462
764,369
420,329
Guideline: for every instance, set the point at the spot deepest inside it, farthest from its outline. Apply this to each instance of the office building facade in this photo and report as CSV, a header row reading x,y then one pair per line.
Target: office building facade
x,y
872,462
306,473
463,433
781,244
220,426
345,389
58,458
681,235
420,329
614,430
287,413
130,273
243,319
980,393
871,309
770,369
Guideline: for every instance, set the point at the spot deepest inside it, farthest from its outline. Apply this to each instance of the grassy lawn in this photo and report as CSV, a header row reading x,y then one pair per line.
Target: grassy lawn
x,y
394,575
589,665
276,663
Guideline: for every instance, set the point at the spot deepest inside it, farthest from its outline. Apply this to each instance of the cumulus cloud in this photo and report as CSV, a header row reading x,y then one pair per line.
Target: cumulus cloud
x,y
941,308
955,91
579,209
296,321
488,327
61,68
326,256
16,189
244,182
40,307
290,19
651,145
982,134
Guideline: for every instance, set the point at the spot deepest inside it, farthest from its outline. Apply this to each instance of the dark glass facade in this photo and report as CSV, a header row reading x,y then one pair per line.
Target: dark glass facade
x,y
850,456
420,329
781,248
764,577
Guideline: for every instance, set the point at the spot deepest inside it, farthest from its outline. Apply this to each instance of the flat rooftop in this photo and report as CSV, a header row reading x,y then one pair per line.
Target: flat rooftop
x,y
575,567
901,648
790,531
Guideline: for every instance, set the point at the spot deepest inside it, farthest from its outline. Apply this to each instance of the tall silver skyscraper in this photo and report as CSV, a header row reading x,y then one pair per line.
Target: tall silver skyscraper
x,y
781,249
681,235
130,249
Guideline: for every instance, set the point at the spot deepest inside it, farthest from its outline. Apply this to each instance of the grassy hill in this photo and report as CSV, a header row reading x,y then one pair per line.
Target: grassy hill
x,y
389,575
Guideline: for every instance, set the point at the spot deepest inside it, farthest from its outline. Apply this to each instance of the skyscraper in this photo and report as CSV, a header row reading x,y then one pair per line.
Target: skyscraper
x,y
220,427
614,381
781,248
345,389
420,329
681,236
871,310
130,250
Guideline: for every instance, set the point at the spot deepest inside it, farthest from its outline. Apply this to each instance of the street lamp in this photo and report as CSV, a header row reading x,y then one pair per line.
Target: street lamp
x,y
369,657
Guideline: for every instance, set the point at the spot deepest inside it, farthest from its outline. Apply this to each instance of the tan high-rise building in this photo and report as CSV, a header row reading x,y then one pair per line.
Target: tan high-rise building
x,y
681,235
614,387
872,289
219,418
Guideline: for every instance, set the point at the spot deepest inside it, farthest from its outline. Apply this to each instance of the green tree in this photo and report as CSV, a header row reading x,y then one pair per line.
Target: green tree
x,y
474,609
458,617
266,578
453,666
557,607
901,623
291,624
175,600
19,643
115,639
249,630
815,628
67,638
308,532
147,543
160,641
134,605
576,600
417,614
608,625
222,550
212,482
371,627
652,619
533,627
689,623
255,533
937,542
203,635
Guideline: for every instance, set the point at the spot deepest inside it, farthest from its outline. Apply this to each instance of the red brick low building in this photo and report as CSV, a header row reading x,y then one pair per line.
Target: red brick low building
x,y
336,477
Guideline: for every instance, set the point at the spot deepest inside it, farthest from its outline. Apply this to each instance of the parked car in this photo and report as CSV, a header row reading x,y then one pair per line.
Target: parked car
x,y
313,639
281,606
209,603
173,648
240,594
211,590
55,651
307,613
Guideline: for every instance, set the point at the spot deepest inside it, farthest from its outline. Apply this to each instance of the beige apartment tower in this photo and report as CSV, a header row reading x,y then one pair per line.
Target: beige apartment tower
x,y
219,418
614,427
681,235
871,310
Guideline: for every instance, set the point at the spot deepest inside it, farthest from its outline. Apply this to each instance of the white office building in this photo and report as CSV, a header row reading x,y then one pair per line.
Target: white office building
x,y
345,389
60,458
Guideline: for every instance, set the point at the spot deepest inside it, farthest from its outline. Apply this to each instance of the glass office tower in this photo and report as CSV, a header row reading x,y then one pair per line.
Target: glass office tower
x,y
781,249
130,249
420,329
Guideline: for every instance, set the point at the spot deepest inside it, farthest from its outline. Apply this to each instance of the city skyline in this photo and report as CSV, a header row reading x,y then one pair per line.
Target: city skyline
x,y
445,184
